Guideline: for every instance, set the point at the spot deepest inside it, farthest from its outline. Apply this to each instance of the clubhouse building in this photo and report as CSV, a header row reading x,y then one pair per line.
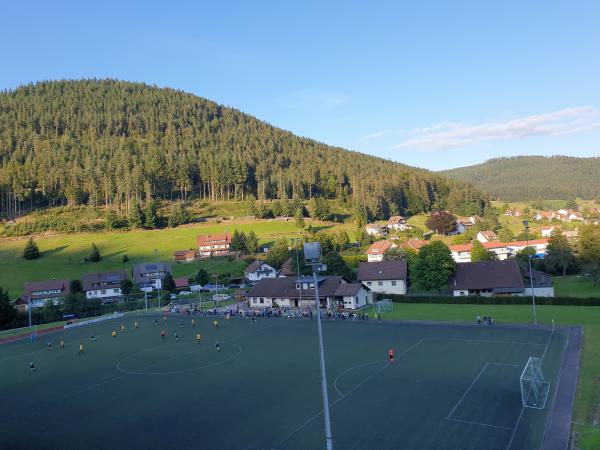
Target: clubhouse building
x,y
335,292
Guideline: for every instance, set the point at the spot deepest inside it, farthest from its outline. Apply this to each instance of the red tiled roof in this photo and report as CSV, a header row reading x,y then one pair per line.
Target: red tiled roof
x,y
379,247
181,282
207,239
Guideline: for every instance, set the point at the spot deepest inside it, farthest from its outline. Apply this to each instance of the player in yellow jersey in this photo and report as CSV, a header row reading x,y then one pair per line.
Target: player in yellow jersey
x,y
215,324
80,348
198,338
114,334
62,344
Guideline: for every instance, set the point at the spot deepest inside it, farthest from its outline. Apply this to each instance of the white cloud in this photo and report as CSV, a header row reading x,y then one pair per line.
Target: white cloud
x,y
450,134
310,99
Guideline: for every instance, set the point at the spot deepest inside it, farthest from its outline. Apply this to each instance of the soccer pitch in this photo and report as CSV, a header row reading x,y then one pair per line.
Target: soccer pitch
x,y
450,386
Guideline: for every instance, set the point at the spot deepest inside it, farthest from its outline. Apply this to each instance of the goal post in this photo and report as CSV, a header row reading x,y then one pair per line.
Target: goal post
x,y
534,387
384,305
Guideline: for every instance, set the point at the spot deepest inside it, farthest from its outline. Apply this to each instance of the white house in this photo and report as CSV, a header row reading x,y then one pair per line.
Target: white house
x,y
540,246
213,244
103,285
257,270
547,231
398,223
500,249
373,229
377,249
461,253
487,236
385,277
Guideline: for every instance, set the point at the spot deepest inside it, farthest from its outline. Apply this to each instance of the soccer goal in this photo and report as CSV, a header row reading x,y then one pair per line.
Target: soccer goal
x,y
384,305
534,387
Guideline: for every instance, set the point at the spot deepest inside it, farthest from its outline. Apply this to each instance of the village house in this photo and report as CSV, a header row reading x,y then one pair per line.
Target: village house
x,y
398,223
38,293
500,249
105,286
513,212
374,229
414,244
465,223
542,284
287,269
214,244
545,215
257,270
547,231
335,292
385,277
377,249
487,278
461,253
182,283
149,276
487,236
184,255
540,246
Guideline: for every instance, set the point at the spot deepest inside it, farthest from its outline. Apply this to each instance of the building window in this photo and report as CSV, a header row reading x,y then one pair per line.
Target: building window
x,y
393,282
380,283
262,300
103,291
369,283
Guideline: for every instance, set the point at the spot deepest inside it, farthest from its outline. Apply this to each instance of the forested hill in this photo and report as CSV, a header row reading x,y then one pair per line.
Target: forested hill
x,y
108,142
534,177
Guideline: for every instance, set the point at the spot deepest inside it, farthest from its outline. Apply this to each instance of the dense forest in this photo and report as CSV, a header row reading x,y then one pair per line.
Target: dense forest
x,y
119,144
525,178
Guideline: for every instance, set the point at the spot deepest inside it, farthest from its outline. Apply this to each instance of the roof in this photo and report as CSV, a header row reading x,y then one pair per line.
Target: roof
x,y
48,285
415,244
204,239
460,248
183,252
489,235
348,289
286,287
181,282
540,279
286,268
384,270
499,276
527,243
379,247
490,245
396,219
139,269
107,279
253,266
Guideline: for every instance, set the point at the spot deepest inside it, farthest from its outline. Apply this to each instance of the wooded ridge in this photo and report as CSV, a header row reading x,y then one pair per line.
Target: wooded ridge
x,y
115,143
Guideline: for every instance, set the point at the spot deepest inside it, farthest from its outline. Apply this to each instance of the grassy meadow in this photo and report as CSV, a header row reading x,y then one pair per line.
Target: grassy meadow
x,y
63,255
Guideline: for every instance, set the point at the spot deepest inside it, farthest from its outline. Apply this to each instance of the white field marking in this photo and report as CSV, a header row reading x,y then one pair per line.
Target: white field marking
x,y
175,372
343,396
514,432
351,369
468,389
479,423
491,341
449,417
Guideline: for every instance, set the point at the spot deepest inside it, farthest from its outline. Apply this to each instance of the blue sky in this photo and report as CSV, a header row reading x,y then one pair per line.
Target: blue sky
x,y
431,84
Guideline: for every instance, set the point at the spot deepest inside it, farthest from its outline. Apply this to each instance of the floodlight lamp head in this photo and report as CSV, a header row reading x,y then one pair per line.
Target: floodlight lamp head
x,y
526,223
312,251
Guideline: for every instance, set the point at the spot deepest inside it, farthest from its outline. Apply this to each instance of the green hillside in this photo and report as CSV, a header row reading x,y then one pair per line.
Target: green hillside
x,y
115,143
534,177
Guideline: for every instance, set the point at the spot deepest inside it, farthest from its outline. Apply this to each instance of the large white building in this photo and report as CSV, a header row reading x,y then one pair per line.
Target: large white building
x,y
103,285
335,292
385,277
150,276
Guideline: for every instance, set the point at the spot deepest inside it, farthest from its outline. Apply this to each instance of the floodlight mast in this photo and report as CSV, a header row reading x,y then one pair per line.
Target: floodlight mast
x,y
526,225
312,254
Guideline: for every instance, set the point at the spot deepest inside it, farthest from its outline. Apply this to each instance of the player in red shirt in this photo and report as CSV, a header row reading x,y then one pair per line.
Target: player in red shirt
x,y
162,334
391,355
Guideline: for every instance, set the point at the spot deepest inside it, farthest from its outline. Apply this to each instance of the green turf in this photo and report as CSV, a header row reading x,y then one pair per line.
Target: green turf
x,y
263,390
588,388
63,255
575,286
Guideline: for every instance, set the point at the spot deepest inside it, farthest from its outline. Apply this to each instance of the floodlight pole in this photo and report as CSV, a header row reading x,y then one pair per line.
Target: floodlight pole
x,y
328,435
526,224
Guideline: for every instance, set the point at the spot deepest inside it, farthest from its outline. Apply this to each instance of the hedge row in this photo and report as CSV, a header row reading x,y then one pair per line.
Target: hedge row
x,y
477,300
